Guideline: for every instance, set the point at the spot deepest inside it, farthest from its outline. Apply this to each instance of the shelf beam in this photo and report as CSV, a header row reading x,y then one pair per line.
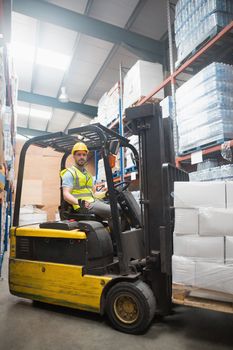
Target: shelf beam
x,y
181,69
205,151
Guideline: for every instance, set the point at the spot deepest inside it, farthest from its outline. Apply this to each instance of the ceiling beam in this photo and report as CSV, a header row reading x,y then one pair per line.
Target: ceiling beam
x,y
47,12
130,22
34,68
30,132
75,49
55,103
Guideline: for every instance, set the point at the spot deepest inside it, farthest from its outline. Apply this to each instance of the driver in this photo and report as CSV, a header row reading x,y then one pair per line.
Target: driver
x,y
77,184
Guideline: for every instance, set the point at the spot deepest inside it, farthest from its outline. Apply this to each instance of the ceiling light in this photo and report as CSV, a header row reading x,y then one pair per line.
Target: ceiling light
x,y
23,51
22,110
63,96
52,59
22,137
38,113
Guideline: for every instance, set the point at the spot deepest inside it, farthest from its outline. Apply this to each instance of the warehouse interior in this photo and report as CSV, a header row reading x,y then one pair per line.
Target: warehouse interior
x,y
116,175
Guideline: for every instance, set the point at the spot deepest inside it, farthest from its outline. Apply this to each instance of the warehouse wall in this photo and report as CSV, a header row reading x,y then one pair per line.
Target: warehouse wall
x,y
41,185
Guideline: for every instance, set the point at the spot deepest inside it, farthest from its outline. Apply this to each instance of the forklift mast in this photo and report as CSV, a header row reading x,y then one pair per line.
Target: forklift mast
x,y
158,174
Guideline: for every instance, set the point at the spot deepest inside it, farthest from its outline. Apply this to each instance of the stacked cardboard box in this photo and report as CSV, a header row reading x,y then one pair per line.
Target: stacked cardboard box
x,y
203,235
41,182
140,80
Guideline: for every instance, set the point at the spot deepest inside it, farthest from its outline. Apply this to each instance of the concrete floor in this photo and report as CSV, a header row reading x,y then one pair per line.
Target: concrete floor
x,y
24,326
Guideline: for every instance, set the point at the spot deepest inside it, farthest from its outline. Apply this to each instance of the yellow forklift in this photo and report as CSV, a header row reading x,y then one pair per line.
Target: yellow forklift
x,y
81,262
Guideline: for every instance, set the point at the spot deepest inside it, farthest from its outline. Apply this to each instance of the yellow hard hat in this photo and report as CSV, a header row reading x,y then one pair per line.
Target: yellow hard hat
x,y
79,146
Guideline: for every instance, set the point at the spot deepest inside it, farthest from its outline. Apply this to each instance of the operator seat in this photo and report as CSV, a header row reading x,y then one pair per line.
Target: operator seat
x,y
67,212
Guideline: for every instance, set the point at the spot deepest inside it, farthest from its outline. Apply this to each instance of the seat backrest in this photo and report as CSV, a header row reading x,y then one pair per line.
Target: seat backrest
x,y
131,208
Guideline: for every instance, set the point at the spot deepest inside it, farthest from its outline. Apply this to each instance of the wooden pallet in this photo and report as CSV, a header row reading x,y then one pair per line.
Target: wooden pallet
x,y
185,295
151,100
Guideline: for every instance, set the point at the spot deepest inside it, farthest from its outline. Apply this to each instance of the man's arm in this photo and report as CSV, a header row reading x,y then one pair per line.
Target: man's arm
x,y
67,186
68,197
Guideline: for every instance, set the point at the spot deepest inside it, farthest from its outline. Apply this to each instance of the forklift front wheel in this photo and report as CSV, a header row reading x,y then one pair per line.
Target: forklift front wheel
x,y
130,306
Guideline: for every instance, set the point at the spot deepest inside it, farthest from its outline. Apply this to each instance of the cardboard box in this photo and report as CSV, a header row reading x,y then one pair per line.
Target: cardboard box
x,y
195,247
32,192
183,270
217,277
186,221
215,222
229,250
229,194
140,80
199,194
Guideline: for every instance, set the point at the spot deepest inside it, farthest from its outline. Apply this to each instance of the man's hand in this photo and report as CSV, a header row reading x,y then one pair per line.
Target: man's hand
x,y
87,205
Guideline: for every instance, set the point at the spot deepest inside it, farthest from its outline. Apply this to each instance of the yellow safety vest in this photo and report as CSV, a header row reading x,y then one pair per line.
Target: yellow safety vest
x,y
82,185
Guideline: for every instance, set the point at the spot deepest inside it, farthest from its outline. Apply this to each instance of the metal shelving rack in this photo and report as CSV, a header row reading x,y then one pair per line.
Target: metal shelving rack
x,y
5,184
221,47
118,123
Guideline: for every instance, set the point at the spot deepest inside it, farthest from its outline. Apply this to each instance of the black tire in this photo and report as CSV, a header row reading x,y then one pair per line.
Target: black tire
x,y
130,306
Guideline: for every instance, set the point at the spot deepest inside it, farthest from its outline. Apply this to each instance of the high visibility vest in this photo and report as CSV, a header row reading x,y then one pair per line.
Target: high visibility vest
x,y
82,185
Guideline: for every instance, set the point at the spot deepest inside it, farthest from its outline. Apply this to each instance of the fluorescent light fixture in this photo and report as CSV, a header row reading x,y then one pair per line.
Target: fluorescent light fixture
x,y
39,113
20,137
43,57
23,137
22,110
23,51
52,59
34,112
63,96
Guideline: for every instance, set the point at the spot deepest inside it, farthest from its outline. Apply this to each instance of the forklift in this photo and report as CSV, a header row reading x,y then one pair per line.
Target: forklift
x,y
81,262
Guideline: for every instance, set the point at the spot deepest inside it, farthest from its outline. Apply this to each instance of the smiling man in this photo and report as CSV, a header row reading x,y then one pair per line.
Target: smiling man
x,y
77,184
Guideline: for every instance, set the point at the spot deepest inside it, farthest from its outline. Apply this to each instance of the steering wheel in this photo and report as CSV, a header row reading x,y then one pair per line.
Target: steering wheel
x,y
123,184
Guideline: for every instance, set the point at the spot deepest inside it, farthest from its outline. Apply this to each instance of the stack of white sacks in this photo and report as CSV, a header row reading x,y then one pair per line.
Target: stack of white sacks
x,y
108,106
130,161
203,236
29,214
101,171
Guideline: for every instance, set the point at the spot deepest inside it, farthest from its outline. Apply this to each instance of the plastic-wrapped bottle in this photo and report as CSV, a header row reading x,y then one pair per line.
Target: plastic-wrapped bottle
x,y
196,19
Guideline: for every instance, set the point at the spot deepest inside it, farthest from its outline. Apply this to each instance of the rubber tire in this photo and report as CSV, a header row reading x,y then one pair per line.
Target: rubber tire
x,y
146,302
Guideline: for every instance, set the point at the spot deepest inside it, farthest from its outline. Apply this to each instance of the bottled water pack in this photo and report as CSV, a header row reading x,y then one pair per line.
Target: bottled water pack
x,y
196,19
204,107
